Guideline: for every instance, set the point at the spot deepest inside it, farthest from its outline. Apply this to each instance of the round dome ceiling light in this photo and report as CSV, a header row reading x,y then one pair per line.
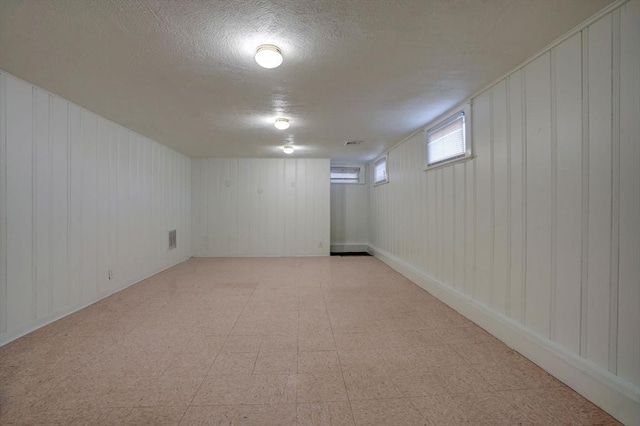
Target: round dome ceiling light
x,y
287,149
281,124
268,56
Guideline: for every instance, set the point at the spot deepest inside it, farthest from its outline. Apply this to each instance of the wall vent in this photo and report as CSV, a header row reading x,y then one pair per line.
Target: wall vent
x,y
173,243
353,142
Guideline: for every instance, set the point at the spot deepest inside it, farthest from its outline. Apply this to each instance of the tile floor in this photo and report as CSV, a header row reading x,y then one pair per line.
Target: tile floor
x,y
307,341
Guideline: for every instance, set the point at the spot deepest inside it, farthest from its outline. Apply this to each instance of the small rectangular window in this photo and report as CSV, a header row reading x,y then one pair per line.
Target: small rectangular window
x,y
448,140
345,174
380,175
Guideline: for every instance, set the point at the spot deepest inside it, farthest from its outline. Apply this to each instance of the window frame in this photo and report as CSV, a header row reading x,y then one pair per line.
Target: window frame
x,y
384,158
468,138
361,173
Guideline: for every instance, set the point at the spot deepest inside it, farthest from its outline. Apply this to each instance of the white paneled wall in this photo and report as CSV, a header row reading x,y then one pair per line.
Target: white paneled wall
x,y
349,217
260,207
80,196
541,231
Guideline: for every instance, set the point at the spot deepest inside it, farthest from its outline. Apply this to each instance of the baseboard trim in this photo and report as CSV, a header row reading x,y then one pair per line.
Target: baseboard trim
x,y
25,329
616,396
240,256
347,247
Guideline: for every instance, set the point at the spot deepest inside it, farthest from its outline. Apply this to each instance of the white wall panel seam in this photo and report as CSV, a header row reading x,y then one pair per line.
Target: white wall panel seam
x,y
474,206
96,272
523,313
615,191
629,196
68,206
465,232
81,209
492,201
3,203
474,289
51,212
554,195
454,228
34,203
585,191
509,189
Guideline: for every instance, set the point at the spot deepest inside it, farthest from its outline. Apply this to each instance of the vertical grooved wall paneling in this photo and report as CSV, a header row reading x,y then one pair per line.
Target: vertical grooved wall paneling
x,y
600,185
260,207
628,342
78,199
543,226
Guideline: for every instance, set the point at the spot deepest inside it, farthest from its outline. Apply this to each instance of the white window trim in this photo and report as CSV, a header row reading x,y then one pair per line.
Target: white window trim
x,y
362,178
373,170
468,135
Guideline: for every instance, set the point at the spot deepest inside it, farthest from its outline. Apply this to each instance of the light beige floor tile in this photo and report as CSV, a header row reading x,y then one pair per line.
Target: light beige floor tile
x,y
211,415
320,388
317,342
325,414
439,355
242,344
192,364
414,383
267,415
318,362
272,389
439,410
327,328
29,411
486,353
98,417
391,412
154,416
234,363
354,342
488,409
366,362
247,389
558,405
172,390
517,374
465,335
459,379
223,390
126,392
210,345
363,385
276,363
279,343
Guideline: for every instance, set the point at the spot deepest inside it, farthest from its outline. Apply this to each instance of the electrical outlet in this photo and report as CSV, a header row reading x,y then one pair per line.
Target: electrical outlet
x,y
320,244
111,274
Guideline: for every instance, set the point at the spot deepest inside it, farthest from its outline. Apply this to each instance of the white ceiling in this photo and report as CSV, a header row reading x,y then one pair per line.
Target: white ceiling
x,y
183,72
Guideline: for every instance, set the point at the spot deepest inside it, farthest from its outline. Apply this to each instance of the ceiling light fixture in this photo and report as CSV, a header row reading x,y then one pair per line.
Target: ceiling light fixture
x,y
287,149
268,56
281,123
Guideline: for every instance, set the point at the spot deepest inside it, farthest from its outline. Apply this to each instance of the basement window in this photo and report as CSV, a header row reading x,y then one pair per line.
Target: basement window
x,y
380,175
345,174
449,141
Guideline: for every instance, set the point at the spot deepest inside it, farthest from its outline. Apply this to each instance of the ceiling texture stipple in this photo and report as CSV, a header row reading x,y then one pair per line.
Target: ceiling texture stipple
x,y
184,73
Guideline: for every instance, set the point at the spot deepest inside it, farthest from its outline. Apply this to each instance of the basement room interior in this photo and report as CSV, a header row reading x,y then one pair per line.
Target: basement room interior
x,y
320,212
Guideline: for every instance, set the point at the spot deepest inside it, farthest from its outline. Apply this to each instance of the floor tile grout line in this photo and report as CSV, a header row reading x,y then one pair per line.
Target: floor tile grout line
x,y
344,382
219,352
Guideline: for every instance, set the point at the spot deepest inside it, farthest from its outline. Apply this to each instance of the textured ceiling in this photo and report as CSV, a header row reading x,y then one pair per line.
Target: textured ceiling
x,y
183,72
